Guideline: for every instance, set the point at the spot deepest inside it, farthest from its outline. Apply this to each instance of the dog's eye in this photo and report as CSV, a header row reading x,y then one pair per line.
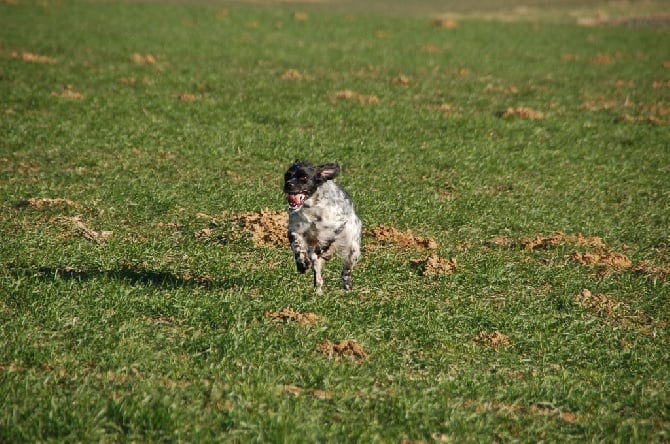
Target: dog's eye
x,y
304,179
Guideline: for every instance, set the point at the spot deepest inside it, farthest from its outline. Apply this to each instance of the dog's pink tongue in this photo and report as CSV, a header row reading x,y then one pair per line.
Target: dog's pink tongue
x,y
294,199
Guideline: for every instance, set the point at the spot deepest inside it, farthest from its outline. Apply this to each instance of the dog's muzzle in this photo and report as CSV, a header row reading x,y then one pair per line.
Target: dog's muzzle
x,y
295,201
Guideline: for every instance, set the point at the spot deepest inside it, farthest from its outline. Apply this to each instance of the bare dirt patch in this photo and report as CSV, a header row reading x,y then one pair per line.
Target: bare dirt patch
x,y
290,315
188,97
515,409
344,349
617,313
435,265
299,391
45,202
494,339
651,270
558,238
601,59
405,239
33,58
617,261
445,23
521,113
77,227
402,80
349,95
265,226
68,92
143,59
294,74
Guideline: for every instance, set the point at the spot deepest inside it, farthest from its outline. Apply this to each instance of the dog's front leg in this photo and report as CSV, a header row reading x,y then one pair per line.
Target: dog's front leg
x,y
317,265
299,248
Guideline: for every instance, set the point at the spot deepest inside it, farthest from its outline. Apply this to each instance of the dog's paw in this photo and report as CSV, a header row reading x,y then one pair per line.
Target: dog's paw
x,y
302,264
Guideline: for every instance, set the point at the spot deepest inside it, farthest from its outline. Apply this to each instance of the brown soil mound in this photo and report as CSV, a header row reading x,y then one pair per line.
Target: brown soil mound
x,y
597,302
495,339
435,265
616,261
33,58
294,74
82,229
299,391
404,239
290,315
45,202
344,349
445,23
654,271
558,238
267,227
521,112
348,94
68,92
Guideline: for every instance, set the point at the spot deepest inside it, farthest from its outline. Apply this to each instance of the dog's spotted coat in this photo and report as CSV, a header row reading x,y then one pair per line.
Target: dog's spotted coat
x,y
321,220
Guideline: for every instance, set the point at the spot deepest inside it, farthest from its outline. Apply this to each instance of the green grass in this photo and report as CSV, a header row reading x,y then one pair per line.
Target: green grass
x,y
159,334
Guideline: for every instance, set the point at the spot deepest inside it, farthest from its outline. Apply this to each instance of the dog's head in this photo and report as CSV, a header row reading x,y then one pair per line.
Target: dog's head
x,y
302,180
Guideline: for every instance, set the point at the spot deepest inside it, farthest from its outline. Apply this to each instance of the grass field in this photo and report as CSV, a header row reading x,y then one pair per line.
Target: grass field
x,y
513,180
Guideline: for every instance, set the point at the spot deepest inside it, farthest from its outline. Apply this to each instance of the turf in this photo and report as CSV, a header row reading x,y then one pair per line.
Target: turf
x,y
140,142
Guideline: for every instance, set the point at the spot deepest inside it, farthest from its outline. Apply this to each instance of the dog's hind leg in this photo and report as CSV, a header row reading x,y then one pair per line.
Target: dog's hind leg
x,y
349,261
317,265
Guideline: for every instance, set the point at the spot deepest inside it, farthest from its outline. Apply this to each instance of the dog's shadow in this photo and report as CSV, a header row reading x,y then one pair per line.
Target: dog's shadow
x,y
134,274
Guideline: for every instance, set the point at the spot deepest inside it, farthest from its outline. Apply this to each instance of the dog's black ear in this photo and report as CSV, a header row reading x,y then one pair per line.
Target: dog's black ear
x,y
328,171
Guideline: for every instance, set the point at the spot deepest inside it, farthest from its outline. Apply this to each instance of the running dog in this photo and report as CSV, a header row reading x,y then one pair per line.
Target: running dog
x,y
321,220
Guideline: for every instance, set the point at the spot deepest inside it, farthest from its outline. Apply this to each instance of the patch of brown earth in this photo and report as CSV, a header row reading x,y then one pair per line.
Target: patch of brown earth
x,y
500,88
266,227
401,80
33,58
533,409
406,239
143,59
616,313
601,59
299,391
445,23
435,265
187,97
558,238
521,112
294,74
344,349
300,16
68,92
651,270
597,302
495,339
569,57
617,261
290,315
350,95
80,228
45,202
